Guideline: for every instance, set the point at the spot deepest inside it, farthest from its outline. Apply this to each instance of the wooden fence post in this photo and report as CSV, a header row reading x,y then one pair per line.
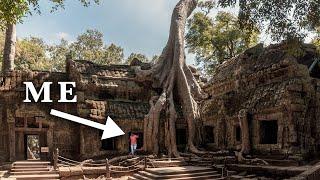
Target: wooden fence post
x,y
107,170
145,163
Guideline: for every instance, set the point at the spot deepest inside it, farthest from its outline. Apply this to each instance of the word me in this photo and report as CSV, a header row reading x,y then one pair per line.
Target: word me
x,y
45,89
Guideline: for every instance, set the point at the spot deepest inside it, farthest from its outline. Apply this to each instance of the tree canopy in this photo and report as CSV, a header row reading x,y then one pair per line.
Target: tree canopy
x,y
139,56
282,19
13,11
316,39
90,46
215,40
31,54
1,47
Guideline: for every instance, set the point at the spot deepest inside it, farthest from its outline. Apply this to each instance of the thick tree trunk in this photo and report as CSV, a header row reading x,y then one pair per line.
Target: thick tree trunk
x,y
176,80
244,126
9,48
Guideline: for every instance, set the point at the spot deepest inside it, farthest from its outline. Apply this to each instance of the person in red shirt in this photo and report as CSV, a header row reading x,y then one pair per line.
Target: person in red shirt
x,y
133,142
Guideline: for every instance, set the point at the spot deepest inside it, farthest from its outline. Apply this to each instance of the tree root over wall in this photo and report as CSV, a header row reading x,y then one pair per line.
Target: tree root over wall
x,y
245,140
176,80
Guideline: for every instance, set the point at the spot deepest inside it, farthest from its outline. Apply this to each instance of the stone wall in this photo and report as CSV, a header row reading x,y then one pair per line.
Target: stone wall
x,y
276,91
102,91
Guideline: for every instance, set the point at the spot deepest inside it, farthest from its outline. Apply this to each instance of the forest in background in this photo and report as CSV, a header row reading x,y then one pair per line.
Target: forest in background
x,y
35,54
211,39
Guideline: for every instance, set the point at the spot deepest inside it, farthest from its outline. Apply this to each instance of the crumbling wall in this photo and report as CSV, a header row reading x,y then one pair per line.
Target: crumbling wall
x,y
61,134
109,91
4,150
277,92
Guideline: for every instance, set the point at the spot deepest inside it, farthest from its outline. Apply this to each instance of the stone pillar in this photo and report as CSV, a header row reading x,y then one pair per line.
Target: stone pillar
x,y
50,141
20,151
12,141
82,141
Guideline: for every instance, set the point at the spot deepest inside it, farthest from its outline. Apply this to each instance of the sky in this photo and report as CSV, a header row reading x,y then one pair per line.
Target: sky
x,y
140,26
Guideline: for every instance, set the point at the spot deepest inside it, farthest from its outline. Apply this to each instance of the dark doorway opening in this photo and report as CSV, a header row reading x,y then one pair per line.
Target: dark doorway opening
x,y
269,132
108,144
238,133
105,95
181,138
32,147
208,134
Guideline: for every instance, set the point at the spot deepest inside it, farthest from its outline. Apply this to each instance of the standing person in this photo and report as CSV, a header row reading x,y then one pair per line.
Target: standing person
x,y
133,142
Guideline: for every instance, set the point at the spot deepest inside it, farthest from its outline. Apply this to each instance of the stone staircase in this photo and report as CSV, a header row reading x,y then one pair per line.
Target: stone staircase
x,y
30,170
177,173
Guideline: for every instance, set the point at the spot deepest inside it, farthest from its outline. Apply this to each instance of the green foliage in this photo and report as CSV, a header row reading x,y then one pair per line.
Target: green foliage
x,y
316,39
34,54
1,47
113,55
90,46
282,19
57,54
13,11
215,40
138,56
31,54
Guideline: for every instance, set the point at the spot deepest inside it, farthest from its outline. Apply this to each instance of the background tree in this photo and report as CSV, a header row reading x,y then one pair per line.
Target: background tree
x,y
316,39
113,54
90,46
31,54
283,19
1,47
58,54
139,56
11,13
215,40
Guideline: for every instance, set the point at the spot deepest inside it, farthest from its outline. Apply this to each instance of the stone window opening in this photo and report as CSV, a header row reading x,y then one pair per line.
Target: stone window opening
x,y
105,95
268,132
19,122
209,134
32,123
108,144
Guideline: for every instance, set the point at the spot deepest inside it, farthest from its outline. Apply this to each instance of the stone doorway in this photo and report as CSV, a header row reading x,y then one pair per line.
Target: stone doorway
x,y
32,147
181,139
139,140
269,132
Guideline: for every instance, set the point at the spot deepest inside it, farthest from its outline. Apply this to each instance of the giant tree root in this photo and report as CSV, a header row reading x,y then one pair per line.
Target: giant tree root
x,y
255,161
176,80
120,158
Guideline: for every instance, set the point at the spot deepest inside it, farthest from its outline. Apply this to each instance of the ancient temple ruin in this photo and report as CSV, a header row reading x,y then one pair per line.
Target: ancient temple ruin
x,y
276,92
101,90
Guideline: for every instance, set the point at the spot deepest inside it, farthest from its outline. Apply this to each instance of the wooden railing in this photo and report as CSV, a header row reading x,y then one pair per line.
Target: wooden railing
x,y
60,161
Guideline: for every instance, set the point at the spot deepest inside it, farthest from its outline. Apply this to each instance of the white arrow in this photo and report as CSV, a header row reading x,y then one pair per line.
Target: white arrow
x,y
110,129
